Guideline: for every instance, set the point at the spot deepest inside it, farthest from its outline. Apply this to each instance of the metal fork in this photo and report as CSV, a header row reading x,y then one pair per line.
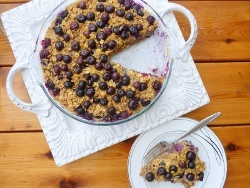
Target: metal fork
x,y
164,145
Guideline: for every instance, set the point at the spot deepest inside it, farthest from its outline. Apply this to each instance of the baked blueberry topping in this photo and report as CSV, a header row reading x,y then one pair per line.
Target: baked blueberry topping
x,y
80,110
81,18
82,5
44,54
92,28
151,20
104,101
75,46
100,7
150,177
64,67
59,45
105,17
190,176
59,57
91,60
86,104
90,16
74,25
124,35
68,84
110,9
106,76
82,85
90,92
92,43
190,155
103,85
168,176
161,171
129,16
100,24
111,91
67,58
95,77
121,92
98,66
111,44
125,80
130,94
79,92
111,111
66,37
191,164
120,12
133,104
58,31
101,36
173,168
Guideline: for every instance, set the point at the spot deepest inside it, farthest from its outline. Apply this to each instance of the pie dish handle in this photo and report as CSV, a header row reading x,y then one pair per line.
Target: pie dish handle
x,y
42,106
184,49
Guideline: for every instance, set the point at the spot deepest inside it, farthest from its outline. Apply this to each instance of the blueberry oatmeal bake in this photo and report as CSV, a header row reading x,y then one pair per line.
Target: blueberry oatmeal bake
x,y
180,163
76,53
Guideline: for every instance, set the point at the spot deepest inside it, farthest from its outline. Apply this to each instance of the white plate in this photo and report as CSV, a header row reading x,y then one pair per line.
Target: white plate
x,y
210,151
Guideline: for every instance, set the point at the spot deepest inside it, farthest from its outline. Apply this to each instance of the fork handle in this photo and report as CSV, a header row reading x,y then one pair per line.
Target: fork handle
x,y
199,125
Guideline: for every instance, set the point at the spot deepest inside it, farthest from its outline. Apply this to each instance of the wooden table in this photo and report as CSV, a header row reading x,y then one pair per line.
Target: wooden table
x,y
222,56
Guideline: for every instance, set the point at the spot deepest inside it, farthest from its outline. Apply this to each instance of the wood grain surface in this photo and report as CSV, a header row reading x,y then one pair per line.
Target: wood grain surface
x,y
222,57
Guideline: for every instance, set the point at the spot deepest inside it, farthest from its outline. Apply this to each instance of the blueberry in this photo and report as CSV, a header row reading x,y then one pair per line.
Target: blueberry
x,y
191,164
63,14
60,77
157,86
121,1
67,58
86,34
201,176
151,20
100,24
64,67
124,115
120,12
98,66
80,61
101,36
107,66
90,92
133,30
111,91
130,94
121,92
103,58
58,31
100,7
190,155
81,18
49,85
46,43
124,35
143,86
145,102
69,74
150,177
44,54
110,9
116,98
85,53
92,43
74,25
111,110
127,4
140,12
82,85
77,69
59,45
129,16
57,69
136,85
116,76
103,85
173,168
59,57
182,164
101,0
106,76
90,16
190,176
104,101
161,171
55,91
116,30
108,31
95,77
111,44
118,84
105,17
80,110
168,176
133,104
124,27
66,37
79,92
139,27
86,104
125,80
68,84
104,47
92,27
82,5
91,60
75,46
87,76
